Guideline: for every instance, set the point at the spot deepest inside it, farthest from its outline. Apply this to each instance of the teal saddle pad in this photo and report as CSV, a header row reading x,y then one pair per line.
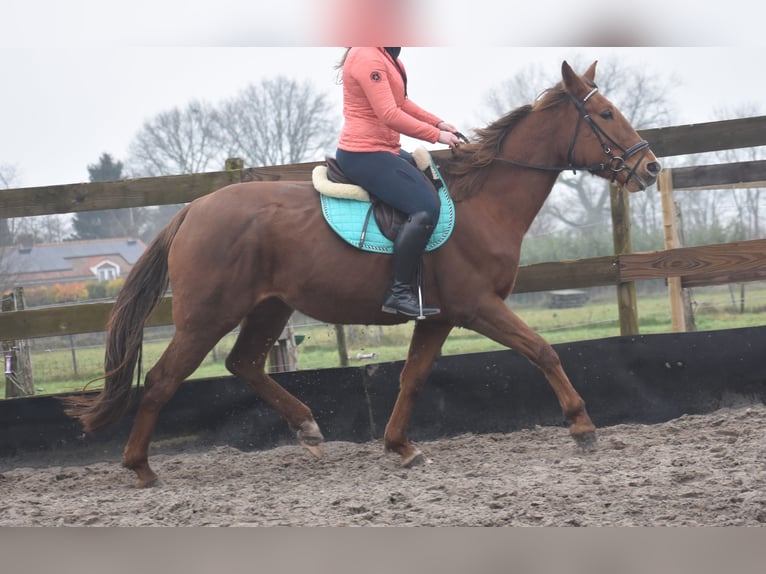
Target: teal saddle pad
x,y
347,218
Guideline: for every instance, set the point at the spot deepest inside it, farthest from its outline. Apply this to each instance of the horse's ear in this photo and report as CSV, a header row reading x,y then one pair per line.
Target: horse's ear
x,y
590,75
572,82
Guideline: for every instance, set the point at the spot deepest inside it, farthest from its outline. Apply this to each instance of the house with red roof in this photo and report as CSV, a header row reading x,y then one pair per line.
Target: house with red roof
x,y
32,265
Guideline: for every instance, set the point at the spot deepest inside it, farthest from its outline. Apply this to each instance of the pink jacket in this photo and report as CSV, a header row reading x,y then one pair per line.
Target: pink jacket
x,y
375,109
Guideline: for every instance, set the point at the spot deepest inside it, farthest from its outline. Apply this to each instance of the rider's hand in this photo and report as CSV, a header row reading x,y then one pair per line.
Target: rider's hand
x,y
448,138
446,127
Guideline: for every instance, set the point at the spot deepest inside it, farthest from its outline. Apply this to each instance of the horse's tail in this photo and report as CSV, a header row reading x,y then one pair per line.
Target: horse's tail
x,y
143,289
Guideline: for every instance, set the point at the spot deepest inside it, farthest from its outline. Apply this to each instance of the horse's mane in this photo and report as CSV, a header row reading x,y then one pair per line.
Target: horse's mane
x,y
464,169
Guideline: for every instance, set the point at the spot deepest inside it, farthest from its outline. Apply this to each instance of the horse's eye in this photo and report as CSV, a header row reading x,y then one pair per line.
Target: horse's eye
x,y
607,114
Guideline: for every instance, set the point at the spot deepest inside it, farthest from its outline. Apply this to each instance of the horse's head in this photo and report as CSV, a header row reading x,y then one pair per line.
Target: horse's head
x,y
611,147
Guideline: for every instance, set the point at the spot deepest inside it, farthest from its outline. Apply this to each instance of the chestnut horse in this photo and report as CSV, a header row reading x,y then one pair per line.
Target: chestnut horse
x,y
250,253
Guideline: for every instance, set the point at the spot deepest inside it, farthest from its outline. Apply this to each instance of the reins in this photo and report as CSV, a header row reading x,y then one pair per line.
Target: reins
x,y
616,164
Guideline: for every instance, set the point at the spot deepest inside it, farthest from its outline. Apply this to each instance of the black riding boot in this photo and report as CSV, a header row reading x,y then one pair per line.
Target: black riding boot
x,y
409,245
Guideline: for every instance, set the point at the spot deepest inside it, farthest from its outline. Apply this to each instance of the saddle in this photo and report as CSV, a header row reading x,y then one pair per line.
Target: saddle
x,y
388,218
366,222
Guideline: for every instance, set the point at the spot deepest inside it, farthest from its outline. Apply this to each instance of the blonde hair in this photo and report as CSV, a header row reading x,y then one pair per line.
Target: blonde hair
x,y
339,66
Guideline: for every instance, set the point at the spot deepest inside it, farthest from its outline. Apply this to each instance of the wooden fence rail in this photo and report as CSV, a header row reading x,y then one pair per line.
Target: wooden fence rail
x,y
697,266
70,198
165,190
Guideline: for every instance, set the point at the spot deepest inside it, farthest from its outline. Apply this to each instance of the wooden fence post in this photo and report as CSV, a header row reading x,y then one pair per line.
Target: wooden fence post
x,y
680,306
283,356
626,292
234,164
18,366
340,338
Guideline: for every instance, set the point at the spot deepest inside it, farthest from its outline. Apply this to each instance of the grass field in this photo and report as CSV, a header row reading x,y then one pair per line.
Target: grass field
x,y
716,308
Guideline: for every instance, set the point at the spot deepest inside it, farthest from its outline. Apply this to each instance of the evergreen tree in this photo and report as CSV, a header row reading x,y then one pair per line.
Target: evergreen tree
x,y
106,169
107,223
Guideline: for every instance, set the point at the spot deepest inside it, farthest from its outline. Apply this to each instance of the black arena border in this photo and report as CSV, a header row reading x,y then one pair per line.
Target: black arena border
x,y
631,379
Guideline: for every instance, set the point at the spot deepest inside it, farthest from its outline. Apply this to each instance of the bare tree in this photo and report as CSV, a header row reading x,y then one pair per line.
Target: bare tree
x,y
722,215
747,202
279,121
749,212
43,228
177,142
8,176
518,90
7,180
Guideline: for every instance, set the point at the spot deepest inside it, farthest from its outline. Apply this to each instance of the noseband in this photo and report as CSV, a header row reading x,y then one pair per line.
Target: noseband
x,y
616,164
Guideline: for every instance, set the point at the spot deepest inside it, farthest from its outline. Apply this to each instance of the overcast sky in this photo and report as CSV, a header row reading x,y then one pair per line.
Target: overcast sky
x,y
75,85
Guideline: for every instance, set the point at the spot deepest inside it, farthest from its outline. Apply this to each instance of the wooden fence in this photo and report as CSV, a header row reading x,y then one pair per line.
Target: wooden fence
x,y
688,266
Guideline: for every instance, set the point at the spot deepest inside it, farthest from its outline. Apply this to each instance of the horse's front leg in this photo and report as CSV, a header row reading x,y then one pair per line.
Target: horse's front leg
x,y
495,320
427,340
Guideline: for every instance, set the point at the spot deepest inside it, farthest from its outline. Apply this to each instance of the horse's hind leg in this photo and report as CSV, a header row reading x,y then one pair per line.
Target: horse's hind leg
x,y
183,355
257,335
427,340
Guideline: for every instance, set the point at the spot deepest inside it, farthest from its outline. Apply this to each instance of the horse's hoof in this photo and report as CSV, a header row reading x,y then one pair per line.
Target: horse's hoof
x,y
146,476
148,481
314,449
310,438
586,441
415,459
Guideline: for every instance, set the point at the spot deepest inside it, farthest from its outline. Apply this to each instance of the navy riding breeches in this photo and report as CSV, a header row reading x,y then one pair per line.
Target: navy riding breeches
x,y
391,178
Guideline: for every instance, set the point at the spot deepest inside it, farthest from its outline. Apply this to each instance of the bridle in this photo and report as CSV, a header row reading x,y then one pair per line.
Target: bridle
x,y
616,164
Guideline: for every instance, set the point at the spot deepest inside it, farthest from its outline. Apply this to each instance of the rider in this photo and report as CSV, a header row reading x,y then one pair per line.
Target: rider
x,y
376,113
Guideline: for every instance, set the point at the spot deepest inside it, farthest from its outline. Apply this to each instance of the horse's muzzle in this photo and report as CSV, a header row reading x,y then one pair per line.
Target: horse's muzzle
x,y
644,173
